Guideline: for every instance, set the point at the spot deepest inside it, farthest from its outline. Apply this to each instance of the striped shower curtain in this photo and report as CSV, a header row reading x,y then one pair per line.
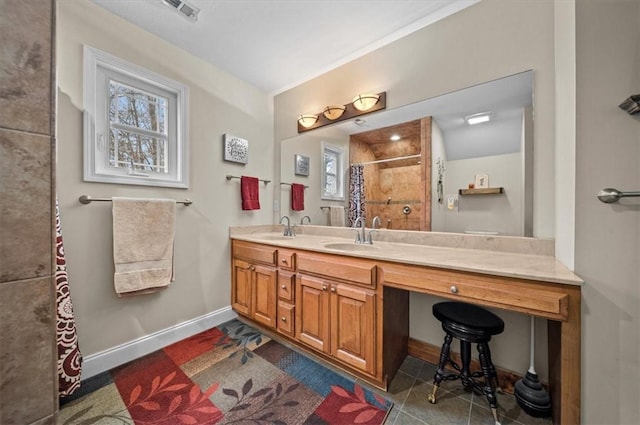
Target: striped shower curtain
x,y
69,357
356,194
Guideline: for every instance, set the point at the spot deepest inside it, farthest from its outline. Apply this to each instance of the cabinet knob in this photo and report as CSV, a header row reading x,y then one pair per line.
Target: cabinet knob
x,y
253,268
333,289
284,261
284,319
324,287
284,286
454,289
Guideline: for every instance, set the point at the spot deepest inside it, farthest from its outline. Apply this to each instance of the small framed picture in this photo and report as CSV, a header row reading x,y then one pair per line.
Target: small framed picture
x,y
481,181
236,149
302,165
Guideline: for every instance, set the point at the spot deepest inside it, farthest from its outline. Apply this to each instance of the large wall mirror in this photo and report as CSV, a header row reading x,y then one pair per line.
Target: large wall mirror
x,y
425,167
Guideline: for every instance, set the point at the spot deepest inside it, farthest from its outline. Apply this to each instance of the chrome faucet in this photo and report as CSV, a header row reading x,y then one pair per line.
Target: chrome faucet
x,y
288,230
376,220
361,233
375,224
307,217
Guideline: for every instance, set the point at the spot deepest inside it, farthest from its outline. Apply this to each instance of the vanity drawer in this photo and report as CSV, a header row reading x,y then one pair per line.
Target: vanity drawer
x,y
286,259
353,270
531,297
286,283
254,252
286,315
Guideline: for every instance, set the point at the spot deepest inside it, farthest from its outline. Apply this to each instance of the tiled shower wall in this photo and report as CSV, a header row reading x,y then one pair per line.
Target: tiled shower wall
x,y
27,147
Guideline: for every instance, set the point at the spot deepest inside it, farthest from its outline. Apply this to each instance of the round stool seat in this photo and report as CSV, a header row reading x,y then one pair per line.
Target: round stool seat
x,y
467,321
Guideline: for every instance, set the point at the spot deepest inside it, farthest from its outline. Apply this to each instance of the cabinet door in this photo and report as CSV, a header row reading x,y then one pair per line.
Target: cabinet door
x,y
353,320
264,295
241,287
285,318
312,312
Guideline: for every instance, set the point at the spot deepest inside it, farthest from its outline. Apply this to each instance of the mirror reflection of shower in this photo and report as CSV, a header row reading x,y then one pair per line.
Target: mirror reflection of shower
x,y
447,160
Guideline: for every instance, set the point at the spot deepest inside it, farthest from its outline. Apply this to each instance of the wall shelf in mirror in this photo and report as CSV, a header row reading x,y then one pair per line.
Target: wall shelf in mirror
x,y
482,191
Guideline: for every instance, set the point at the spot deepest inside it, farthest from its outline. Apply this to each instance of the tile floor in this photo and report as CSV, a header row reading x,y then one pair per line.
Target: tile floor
x,y
412,384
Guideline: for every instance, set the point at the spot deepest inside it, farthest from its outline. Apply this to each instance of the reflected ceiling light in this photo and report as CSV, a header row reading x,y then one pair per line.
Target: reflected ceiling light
x,y
364,102
395,137
334,112
478,118
360,122
307,120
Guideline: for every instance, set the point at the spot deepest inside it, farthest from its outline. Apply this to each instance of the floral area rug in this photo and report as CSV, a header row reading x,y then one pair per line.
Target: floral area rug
x,y
231,374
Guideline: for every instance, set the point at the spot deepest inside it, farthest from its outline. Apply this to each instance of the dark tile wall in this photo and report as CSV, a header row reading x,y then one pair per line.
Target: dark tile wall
x,y
27,333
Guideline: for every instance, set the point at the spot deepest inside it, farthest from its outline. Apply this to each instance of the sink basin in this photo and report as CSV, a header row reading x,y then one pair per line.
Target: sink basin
x,y
346,246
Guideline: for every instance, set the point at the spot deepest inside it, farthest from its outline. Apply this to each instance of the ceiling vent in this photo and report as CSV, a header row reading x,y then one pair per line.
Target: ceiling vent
x,y
185,9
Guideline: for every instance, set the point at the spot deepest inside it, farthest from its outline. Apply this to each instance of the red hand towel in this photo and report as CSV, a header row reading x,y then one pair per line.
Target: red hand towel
x,y
249,193
297,197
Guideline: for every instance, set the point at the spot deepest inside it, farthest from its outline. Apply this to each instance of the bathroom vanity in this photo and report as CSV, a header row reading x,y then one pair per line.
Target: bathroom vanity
x,y
349,303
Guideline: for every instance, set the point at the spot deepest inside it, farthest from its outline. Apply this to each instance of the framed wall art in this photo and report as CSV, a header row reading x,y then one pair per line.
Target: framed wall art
x,y
236,149
481,181
301,165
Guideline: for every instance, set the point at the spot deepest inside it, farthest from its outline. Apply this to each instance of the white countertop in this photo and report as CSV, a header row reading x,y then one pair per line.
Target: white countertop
x,y
525,258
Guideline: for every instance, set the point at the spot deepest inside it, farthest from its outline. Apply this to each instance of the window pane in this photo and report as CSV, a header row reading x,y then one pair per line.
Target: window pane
x,y
331,185
136,108
144,153
330,163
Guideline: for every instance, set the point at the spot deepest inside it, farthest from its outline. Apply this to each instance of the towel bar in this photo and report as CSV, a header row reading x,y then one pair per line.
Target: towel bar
x,y
610,195
290,184
229,177
87,199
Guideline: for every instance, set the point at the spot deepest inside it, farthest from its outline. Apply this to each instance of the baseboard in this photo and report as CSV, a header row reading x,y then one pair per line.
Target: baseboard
x,y
95,364
431,354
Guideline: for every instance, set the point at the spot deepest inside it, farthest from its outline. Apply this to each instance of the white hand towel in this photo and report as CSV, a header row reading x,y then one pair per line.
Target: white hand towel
x,y
143,234
336,216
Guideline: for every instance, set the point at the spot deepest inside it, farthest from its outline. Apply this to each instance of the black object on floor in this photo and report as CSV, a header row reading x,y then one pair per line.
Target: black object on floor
x,y
530,394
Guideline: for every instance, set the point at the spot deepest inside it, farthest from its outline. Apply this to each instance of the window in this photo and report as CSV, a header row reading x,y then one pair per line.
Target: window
x,y
135,124
332,172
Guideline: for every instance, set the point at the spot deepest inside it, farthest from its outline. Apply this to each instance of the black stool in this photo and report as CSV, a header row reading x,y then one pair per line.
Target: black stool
x,y
470,324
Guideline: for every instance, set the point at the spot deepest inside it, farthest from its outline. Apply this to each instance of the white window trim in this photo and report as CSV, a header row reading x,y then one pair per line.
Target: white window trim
x,y
340,172
93,59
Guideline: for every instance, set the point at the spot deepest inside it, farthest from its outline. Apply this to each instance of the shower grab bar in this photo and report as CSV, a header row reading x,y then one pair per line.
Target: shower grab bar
x,y
610,195
87,199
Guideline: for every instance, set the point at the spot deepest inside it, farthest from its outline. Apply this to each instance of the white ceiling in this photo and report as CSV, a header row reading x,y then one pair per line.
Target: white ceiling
x,y
278,44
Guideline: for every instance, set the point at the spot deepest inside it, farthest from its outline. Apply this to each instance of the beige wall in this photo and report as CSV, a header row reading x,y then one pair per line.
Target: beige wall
x,y
608,236
488,40
28,380
219,103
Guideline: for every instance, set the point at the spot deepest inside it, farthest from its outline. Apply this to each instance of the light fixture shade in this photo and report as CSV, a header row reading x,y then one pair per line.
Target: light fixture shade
x,y
307,120
334,112
364,102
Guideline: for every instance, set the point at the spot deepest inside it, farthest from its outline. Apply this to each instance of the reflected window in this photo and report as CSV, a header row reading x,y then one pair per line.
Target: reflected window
x,y
332,172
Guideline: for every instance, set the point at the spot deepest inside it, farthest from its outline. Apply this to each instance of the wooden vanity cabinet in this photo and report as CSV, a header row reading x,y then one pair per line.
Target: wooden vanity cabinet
x,y
335,317
253,282
329,304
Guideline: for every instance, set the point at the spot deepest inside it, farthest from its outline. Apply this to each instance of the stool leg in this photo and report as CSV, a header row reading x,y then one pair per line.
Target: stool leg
x,y
465,356
489,372
437,378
